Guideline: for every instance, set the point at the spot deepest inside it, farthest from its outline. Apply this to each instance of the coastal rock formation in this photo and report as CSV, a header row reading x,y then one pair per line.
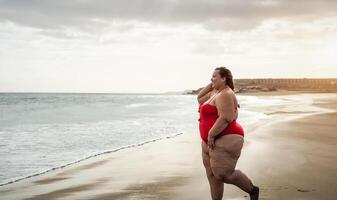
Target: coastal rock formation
x,y
271,84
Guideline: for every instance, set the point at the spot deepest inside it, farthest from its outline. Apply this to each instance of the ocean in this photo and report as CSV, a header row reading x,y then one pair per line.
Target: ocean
x,y
40,132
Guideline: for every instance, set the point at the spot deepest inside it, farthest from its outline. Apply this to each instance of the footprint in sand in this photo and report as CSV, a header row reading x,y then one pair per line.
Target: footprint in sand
x,y
304,190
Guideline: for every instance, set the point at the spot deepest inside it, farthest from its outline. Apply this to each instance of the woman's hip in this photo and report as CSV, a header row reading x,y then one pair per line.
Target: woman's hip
x,y
230,144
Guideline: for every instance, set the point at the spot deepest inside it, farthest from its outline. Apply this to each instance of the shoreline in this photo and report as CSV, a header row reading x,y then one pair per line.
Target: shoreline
x,y
15,180
173,167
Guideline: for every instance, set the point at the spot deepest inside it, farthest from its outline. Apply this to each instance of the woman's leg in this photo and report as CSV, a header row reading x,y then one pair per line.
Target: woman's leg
x,y
223,159
216,186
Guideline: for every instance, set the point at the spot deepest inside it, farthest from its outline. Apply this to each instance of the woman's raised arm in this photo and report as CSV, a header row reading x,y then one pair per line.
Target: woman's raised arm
x,y
204,93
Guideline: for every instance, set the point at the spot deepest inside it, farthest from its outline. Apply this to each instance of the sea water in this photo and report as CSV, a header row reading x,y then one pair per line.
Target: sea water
x,y
44,131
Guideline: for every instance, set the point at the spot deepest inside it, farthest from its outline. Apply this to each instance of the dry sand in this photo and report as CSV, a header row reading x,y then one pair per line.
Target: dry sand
x,y
289,159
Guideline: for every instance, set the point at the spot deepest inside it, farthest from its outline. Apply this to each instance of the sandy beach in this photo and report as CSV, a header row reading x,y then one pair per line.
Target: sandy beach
x,y
290,156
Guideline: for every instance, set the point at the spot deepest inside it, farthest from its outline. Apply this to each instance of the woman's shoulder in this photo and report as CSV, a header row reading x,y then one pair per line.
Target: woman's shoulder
x,y
227,94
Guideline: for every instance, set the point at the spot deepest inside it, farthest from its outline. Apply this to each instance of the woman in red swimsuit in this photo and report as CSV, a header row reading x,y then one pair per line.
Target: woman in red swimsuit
x,y
222,136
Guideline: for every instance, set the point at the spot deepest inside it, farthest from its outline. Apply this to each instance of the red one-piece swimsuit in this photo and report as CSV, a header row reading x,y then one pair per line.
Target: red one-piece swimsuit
x,y
208,116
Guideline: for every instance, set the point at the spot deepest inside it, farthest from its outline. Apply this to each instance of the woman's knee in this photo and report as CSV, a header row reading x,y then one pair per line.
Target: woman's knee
x,y
209,172
225,176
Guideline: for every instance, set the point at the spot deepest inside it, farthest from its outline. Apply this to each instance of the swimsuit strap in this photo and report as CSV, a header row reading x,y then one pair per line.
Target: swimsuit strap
x,y
212,97
215,95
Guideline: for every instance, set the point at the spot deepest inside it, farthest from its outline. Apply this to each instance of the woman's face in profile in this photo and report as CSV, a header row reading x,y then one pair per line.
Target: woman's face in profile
x,y
217,80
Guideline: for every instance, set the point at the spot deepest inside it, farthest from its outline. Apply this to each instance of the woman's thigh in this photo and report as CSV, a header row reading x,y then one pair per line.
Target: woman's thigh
x,y
226,152
205,155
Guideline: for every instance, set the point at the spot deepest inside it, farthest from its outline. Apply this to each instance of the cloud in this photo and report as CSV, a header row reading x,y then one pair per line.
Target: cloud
x,y
229,15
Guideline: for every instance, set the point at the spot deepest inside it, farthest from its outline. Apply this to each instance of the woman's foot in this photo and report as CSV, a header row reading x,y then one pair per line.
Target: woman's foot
x,y
254,194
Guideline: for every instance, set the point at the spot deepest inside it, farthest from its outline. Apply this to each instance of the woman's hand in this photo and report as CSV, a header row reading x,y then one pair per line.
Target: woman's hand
x,y
210,142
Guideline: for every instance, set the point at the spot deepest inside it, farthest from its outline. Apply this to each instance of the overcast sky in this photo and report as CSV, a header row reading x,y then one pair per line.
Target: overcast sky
x,y
161,45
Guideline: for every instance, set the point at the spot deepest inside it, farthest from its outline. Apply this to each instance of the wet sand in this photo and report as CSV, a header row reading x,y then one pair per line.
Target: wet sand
x,y
289,158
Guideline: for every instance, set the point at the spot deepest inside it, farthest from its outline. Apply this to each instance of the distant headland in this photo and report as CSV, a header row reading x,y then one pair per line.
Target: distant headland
x,y
275,84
